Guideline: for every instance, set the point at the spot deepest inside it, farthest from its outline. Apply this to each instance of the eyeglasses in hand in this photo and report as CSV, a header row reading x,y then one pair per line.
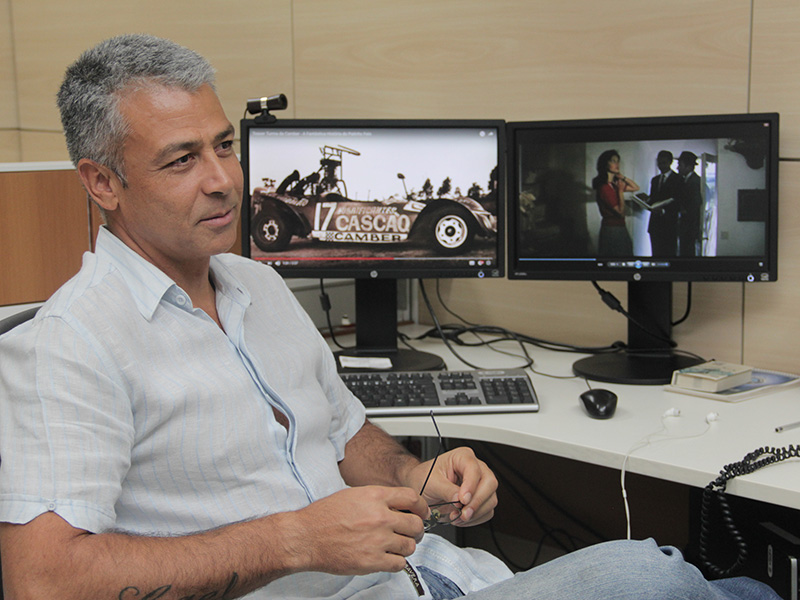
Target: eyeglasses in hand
x,y
442,513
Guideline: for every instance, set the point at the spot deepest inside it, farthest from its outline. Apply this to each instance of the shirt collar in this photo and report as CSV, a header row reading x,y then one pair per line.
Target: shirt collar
x,y
226,283
149,285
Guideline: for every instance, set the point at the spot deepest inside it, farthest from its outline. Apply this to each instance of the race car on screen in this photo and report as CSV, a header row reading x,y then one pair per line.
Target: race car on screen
x,y
317,207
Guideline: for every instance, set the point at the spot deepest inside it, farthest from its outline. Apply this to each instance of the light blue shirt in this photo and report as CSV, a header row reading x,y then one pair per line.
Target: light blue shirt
x,y
123,407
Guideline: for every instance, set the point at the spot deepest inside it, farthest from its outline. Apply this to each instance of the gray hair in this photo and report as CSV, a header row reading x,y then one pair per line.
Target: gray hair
x,y
91,91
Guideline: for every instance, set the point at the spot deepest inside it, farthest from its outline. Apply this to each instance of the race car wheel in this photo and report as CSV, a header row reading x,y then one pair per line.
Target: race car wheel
x,y
452,230
270,232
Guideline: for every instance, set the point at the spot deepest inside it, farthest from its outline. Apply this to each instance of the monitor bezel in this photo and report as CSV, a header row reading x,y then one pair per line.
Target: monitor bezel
x,y
373,269
721,268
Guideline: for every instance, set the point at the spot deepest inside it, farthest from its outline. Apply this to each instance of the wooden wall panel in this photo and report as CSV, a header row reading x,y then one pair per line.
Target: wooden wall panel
x,y
44,232
248,42
520,60
775,86
771,316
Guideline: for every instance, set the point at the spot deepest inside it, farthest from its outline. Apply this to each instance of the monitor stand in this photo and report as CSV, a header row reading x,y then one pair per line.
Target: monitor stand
x,y
376,332
649,359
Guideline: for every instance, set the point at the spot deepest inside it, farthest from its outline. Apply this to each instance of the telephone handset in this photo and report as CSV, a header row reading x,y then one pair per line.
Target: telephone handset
x,y
753,461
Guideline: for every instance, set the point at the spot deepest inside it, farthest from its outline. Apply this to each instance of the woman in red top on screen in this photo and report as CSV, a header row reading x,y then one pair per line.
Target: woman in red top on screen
x,y
610,186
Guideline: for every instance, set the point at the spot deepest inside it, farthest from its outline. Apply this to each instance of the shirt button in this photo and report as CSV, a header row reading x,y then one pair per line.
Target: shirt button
x,y
181,300
51,506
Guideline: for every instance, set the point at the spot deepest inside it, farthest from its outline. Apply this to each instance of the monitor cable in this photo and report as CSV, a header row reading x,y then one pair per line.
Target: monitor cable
x,y
455,332
501,333
688,305
325,301
446,339
614,304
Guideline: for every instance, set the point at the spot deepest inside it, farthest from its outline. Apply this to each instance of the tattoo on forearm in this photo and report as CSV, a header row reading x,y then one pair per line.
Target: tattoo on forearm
x,y
132,592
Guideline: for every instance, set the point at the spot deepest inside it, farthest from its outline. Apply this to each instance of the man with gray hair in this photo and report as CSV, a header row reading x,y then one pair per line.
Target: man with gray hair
x,y
172,424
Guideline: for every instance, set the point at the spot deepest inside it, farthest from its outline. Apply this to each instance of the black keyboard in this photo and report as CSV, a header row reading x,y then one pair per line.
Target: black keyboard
x,y
404,393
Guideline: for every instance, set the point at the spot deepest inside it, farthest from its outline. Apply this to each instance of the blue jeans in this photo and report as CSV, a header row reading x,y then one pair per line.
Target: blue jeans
x,y
441,587
621,570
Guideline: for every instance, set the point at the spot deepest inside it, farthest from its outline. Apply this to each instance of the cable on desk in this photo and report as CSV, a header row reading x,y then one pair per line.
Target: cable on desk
x,y
447,341
469,327
476,330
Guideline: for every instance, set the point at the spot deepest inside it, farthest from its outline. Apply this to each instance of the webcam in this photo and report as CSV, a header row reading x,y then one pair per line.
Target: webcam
x,y
262,107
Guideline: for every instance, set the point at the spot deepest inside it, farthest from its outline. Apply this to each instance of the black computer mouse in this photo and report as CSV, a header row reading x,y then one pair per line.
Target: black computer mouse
x,y
599,403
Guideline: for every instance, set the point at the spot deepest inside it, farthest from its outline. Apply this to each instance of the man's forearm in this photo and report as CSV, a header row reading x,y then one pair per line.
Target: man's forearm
x,y
373,457
47,558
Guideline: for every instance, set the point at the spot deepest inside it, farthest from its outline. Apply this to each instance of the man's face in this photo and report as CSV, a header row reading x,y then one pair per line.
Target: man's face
x,y
184,192
685,167
664,162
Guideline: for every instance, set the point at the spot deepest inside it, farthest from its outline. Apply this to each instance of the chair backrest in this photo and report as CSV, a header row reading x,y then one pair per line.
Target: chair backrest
x,y
8,324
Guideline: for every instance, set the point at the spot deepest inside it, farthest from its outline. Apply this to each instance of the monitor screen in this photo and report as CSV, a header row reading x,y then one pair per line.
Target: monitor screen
x,y
650,201
588,201
375,200
372,199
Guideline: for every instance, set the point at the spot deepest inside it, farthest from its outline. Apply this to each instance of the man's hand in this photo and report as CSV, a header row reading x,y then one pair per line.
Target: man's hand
x,y
459,476
358,530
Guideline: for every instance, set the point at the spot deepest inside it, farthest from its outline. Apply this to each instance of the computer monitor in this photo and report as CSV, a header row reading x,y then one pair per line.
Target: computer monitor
x,y
375,200
587,202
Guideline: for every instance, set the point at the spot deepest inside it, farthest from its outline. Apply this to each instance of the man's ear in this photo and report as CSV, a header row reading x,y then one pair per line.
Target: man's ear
x,y
101,183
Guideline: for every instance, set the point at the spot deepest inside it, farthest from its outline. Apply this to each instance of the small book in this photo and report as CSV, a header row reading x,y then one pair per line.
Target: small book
x,y
643,200
761,382
712,376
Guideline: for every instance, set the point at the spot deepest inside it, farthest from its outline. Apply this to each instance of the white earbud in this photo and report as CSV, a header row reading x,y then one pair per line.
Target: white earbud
x,y
672,412
711,417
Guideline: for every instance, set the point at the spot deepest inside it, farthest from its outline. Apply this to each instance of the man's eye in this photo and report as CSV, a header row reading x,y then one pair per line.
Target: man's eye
x,y
182,160
226,145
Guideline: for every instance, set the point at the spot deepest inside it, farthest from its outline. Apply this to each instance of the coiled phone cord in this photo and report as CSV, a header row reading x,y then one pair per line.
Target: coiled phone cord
x,y
753,461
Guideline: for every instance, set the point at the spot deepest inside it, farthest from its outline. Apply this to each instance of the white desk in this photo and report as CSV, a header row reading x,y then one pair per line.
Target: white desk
x,y
561,427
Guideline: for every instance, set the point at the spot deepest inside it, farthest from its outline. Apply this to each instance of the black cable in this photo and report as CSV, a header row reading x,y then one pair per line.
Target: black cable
x,y
688,305
614,304
487,343
537,490
457,330
520,497
325,301
715,490
441,301
446,340
475,329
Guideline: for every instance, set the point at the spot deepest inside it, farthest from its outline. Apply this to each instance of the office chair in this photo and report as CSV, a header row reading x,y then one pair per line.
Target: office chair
x,y
8,324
